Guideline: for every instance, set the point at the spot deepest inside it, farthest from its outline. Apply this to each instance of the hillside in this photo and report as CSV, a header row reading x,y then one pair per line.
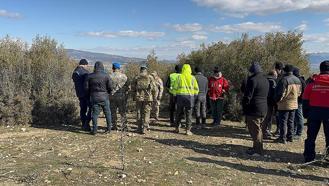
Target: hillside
x,y
316,58
106,58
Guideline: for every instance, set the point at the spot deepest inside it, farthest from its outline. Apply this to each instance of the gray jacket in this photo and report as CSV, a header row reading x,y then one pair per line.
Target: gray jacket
x,y
203,84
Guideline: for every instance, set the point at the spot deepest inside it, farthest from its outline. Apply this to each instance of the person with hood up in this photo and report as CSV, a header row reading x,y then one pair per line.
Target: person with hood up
x,y
79,76
286,96
186,88
255,106
316,110
98,85
217,86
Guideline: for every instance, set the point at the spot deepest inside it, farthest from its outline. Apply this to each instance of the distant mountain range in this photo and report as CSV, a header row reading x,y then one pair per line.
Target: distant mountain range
x,y
316,58
105,58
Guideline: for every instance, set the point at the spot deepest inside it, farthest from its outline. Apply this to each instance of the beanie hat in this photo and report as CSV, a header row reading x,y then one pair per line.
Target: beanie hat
x,y
83,62
255,68
296,71
116,66
197,69
324,66
288,68
216,69
278,65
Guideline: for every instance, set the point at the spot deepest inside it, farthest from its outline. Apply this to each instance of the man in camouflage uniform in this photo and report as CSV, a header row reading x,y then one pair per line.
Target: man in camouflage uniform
x,y
143,87
119,95
159,92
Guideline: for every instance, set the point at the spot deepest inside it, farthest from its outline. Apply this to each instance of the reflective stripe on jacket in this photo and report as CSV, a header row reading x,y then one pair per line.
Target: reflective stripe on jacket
x,y
186,84
173,78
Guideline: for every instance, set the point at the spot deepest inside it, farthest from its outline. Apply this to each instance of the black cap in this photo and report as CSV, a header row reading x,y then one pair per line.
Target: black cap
x,y
83,62
278,65
197,69
296,71
324,66
288,68
216,69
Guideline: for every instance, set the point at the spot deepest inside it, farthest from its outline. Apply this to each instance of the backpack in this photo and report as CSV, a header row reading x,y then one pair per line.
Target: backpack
x,y
143,83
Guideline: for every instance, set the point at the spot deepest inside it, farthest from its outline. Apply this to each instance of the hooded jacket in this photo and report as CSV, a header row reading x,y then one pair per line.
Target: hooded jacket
x,y
202,83
79,76
287,92
315,97
186,84
254,101
98,84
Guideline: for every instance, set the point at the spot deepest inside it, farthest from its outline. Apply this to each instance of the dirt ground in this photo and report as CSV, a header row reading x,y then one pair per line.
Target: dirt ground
x,y
67,156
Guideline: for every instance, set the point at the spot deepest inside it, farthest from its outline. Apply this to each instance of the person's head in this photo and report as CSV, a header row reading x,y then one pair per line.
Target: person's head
x,y
324,67
116,66
143,68
178,68
296,72
278,67
255,68
197,70
288,69
99,67
273,73
83,63
217,72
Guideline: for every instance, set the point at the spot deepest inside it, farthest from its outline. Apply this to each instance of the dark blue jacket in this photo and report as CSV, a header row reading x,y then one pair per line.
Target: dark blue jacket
x,y
79,76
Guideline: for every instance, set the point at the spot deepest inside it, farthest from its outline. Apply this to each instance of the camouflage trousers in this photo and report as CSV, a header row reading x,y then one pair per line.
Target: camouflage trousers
x,y
156,108
143,114
118,104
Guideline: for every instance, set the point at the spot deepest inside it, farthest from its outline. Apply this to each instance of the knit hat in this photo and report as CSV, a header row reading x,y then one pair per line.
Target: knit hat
x,y
83,62
255,68
296,71
324,66
216,69
197,69
288,68
116,66
278,65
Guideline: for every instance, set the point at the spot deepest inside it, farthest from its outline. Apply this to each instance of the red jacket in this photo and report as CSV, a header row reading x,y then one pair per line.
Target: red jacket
x,y
317,91
217,87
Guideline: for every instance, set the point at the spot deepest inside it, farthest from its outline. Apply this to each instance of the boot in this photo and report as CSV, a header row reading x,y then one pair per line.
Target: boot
x,y
197,122
203,123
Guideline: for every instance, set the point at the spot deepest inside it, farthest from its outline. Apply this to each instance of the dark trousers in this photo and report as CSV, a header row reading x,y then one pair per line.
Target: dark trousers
x,y
172,108
85,112
254,124
299,121
96,109
313,128
217,107
201,107
286,123
184,105
267,123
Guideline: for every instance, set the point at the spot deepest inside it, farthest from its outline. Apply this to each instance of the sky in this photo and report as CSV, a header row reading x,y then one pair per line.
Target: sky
x,y
134,27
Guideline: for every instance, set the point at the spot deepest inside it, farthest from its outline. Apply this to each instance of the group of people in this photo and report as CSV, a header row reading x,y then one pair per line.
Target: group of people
x,y
282,94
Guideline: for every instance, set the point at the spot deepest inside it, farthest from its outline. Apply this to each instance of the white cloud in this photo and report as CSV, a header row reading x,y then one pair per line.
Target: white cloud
x,y
302,27
199,37
262,7
317,38
248,27
189,27
126,33
326,21
12,15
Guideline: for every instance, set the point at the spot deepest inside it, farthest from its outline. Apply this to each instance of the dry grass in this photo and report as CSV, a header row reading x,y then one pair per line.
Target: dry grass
x,y
67,156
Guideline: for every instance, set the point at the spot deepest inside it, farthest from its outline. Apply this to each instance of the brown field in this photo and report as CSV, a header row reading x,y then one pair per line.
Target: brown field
x,y
67,156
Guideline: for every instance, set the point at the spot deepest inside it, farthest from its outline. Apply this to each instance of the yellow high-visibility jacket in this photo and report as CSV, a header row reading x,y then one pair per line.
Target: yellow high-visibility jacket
x,y
186,84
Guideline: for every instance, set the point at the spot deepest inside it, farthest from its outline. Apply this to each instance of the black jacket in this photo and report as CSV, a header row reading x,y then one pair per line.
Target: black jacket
x,y
79,76
98,84
303,82
271,93
255,96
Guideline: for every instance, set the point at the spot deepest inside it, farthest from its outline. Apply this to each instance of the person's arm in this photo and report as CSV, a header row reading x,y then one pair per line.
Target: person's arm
x,y
195,86
168,83
109,85
280,90
86,85
306,99
226,85
249,93
160,89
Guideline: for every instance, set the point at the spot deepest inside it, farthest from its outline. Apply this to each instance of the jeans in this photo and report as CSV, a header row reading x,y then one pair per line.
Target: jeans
x,y
286,123
85,112
96,109
313,128
201,107
299,121
217,107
